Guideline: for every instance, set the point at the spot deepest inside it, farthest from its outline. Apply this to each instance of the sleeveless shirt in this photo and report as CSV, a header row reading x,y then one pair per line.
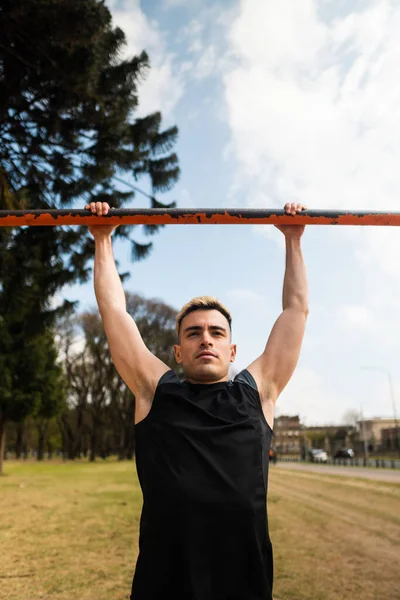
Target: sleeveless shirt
x,y
202,458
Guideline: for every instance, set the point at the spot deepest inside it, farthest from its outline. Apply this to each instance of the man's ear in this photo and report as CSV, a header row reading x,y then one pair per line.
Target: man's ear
x,y
178,354
233,353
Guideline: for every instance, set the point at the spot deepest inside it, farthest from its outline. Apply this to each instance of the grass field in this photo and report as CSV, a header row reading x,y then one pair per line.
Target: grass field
x,y
70,531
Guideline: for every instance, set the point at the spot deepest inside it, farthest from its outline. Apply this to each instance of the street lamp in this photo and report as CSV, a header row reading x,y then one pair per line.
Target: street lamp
x,y
389,376
363,434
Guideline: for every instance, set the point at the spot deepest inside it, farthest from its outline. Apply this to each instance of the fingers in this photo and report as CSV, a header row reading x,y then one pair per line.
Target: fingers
x,y
98,208
292,208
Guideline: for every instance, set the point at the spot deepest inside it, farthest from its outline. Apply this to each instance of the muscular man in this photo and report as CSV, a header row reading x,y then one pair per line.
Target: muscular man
x,y
202,445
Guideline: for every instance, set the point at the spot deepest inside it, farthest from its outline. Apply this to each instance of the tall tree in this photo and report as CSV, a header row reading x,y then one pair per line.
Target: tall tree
x,y
5,385
27,353
156,322
49,385
99,402
351,417
78,373
67,127
36,386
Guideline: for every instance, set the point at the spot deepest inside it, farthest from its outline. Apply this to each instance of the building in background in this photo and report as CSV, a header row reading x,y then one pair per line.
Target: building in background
x,y
288,435
330,438
292,438
381,434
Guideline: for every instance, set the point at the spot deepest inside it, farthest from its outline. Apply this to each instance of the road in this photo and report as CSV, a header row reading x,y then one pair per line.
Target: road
x,y
390,475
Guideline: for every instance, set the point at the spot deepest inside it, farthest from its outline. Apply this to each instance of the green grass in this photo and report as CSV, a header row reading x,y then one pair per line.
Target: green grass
x,y
70,531
334,537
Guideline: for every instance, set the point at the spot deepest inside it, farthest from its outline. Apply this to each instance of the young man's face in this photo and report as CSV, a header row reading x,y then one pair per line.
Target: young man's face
x,y
205,350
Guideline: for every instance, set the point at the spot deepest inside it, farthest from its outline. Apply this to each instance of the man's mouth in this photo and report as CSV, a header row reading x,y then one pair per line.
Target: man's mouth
x,y
211,354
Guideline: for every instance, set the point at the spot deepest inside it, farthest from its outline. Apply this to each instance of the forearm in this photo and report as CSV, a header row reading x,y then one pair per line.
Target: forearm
x,y
295,289
107,283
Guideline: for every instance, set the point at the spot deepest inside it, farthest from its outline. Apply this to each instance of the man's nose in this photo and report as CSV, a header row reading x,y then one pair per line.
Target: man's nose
x,y
206,339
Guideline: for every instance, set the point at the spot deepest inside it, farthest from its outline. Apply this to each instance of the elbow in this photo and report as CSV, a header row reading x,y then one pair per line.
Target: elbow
x,y
300,305
304,311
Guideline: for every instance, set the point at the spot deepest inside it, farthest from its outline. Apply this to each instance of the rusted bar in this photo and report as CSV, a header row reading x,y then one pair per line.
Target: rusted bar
x,y
193,216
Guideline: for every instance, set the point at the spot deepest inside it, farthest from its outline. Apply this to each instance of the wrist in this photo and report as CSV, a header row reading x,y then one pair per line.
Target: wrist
x,y
103,247
102,238
293,238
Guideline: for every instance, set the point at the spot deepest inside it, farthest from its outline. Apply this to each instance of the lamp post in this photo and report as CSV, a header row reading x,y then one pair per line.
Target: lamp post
x,y
389,376
366,455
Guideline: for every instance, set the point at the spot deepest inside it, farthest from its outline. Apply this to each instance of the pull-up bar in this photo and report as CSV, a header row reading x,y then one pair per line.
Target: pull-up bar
x,y
196,216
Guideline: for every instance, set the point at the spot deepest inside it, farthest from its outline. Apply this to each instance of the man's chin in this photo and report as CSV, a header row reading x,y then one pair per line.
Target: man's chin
x,y
206,373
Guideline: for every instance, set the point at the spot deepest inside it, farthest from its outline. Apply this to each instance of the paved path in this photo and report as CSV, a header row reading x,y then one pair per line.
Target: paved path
x,y
390,475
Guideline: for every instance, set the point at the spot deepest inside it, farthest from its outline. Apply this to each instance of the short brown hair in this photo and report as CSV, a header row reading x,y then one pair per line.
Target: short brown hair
x,y
202,303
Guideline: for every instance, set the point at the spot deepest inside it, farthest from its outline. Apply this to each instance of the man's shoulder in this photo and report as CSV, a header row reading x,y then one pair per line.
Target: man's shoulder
x,y
246,378
169,377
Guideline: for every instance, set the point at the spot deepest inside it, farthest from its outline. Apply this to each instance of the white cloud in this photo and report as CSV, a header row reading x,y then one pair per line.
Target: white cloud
x,y
314,113
195,46
282,36
361,317
185,66
207,63
308,396
203,40
191,35
163,87
194,28
313,107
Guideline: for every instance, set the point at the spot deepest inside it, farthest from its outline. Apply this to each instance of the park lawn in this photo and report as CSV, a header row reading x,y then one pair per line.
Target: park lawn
x,y
70,530
334,537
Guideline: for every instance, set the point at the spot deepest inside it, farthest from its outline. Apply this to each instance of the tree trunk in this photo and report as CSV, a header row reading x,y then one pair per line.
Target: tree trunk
x,y
69,437
93,444
50,450
40,447
122,445
130,441
2,441
42,435
20,427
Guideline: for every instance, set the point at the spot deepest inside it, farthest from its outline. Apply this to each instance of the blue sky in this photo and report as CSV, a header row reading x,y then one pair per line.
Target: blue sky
x,y
281,101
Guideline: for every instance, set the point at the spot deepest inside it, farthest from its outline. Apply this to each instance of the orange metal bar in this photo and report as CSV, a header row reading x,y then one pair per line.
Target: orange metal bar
x,y
186,216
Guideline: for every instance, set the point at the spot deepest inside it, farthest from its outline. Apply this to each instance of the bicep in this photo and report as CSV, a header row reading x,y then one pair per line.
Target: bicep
x,y
274,368
137,366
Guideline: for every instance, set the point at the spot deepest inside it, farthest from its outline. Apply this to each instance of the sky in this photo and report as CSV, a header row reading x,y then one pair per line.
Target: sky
x,y
278,102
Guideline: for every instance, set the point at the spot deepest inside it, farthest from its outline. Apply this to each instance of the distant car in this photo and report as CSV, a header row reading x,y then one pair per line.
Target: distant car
x,y
272,455
345,453
318,455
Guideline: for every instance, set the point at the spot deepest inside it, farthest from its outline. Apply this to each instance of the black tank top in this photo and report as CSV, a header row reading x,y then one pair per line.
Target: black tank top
x,y
202,462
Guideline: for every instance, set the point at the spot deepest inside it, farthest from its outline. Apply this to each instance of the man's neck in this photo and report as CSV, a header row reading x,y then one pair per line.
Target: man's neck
x,y
202,382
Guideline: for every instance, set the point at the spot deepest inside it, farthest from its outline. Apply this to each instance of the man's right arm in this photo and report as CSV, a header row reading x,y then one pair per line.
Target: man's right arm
x,y
138,367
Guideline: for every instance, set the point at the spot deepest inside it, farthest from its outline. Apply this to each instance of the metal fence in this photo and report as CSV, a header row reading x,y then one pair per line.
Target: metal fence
x,y
378,463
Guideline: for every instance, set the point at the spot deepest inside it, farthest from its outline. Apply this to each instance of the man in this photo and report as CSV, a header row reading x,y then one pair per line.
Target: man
x,y
202,445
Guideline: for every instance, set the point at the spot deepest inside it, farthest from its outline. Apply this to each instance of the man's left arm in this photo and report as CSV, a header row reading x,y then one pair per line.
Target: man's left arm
x,y
274,368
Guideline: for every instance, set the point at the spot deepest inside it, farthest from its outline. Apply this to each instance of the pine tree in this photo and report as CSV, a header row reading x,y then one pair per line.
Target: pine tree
x,y
67,128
